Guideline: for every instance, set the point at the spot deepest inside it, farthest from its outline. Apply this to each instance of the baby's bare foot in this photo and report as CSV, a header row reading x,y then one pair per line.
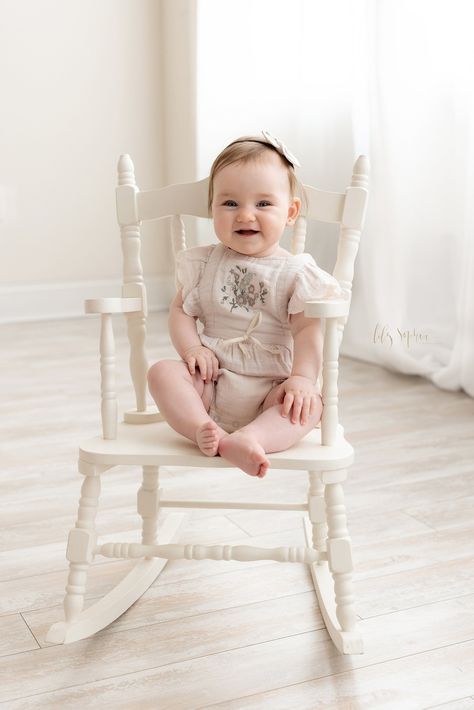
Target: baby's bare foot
x,y
208,436
243,450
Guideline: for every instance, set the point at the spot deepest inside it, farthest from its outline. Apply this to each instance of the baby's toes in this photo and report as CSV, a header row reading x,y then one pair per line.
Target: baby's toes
x,y
207,438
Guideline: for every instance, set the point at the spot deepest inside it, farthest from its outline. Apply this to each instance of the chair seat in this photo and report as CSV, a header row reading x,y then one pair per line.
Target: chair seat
x,y
157,444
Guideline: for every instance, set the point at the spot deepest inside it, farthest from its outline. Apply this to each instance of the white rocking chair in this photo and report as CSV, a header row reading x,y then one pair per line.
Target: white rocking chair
x,y
145,439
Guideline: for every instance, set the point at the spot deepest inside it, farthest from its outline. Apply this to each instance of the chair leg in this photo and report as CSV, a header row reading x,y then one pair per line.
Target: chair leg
x,y
340,556
80,548
81,623
317,512
148,504
333,577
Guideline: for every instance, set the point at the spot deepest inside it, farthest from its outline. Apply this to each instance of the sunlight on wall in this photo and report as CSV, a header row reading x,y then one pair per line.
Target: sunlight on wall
x,y
335,79
289,67
275,65
311,71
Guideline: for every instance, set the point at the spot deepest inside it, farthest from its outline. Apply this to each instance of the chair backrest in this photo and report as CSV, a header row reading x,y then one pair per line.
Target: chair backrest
x,y
135,206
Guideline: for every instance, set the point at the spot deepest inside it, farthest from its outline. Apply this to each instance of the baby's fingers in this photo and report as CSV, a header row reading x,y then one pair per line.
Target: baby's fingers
x,y
202,363
305,409
314,403
287,404
191,363
297,409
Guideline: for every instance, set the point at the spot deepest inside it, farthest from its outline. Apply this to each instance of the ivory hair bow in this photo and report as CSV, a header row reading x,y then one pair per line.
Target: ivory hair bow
x,y
281,148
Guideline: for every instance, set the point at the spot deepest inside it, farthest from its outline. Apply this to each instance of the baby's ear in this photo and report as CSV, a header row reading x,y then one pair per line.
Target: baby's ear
x,y
294,210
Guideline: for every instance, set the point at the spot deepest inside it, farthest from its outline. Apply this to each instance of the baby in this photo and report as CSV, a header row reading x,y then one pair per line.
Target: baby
x,y
247,385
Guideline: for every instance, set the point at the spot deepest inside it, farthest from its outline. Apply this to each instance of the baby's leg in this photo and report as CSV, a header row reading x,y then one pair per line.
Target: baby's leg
x,y
184,401
277,433
267,433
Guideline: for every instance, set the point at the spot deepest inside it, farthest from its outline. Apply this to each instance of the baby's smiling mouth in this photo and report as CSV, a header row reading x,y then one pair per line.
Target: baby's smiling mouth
x,y
247,232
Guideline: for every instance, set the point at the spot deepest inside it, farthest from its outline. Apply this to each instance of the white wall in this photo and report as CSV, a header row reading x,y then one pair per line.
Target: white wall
x,y
82,82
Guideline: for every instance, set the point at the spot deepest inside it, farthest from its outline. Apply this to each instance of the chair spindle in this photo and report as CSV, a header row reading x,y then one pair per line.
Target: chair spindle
x,y
178,234
298,237
350,231
133,283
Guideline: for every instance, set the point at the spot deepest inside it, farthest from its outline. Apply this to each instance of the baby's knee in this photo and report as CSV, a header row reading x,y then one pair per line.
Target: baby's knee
x,y
162,370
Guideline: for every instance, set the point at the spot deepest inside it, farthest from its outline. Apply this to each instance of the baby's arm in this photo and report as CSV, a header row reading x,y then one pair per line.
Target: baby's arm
x,y
185,338
301,388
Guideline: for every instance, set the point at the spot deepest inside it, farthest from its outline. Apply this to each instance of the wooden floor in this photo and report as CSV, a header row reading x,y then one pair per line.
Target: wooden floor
x,y
229,634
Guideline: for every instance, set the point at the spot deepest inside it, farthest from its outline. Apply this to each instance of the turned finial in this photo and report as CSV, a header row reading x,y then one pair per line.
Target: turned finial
x,y
360,174
126,170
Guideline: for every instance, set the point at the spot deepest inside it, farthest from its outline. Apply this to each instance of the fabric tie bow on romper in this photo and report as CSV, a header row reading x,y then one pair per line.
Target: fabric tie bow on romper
x,y
240,340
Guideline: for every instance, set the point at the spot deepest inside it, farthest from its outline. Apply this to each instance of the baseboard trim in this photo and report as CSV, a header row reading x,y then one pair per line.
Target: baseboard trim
x,y
21,303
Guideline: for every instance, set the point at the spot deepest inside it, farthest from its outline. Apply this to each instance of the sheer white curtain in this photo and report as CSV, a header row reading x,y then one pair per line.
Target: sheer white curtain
x,y
391,79
414,291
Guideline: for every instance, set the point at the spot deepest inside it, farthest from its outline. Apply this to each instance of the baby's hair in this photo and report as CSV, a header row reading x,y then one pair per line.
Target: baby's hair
x,y
245,149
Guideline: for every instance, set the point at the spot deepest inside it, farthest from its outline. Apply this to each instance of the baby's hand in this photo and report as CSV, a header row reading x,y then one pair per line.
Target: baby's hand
x,y
205,360
301,395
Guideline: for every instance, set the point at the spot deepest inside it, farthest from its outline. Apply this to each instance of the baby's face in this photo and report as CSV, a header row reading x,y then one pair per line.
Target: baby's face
x,y
252,205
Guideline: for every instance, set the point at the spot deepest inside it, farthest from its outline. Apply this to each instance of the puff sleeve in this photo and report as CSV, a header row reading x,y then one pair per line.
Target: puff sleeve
x,y
190,265
311,283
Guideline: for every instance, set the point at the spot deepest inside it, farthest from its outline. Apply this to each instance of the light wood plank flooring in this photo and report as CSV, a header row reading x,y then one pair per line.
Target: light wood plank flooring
x,y
236,635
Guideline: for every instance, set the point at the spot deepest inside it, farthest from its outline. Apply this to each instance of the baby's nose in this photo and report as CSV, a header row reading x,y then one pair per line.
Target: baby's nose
x,y
245,215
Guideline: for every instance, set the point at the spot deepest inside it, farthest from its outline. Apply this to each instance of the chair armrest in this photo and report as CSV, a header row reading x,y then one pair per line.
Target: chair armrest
x,y
326,309
112,305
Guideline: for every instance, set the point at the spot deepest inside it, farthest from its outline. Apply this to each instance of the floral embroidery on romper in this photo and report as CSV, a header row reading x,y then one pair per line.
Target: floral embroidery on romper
x,y
240,291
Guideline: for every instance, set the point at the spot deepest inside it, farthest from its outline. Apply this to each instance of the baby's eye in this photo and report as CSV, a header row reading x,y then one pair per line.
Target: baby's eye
x,y
230,203
264,203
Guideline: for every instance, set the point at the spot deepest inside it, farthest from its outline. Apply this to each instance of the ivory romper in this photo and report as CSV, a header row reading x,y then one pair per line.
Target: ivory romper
x,y
244,304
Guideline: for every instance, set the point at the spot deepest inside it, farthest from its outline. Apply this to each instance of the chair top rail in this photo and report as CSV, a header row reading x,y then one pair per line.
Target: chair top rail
x,y
188,198
134,205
